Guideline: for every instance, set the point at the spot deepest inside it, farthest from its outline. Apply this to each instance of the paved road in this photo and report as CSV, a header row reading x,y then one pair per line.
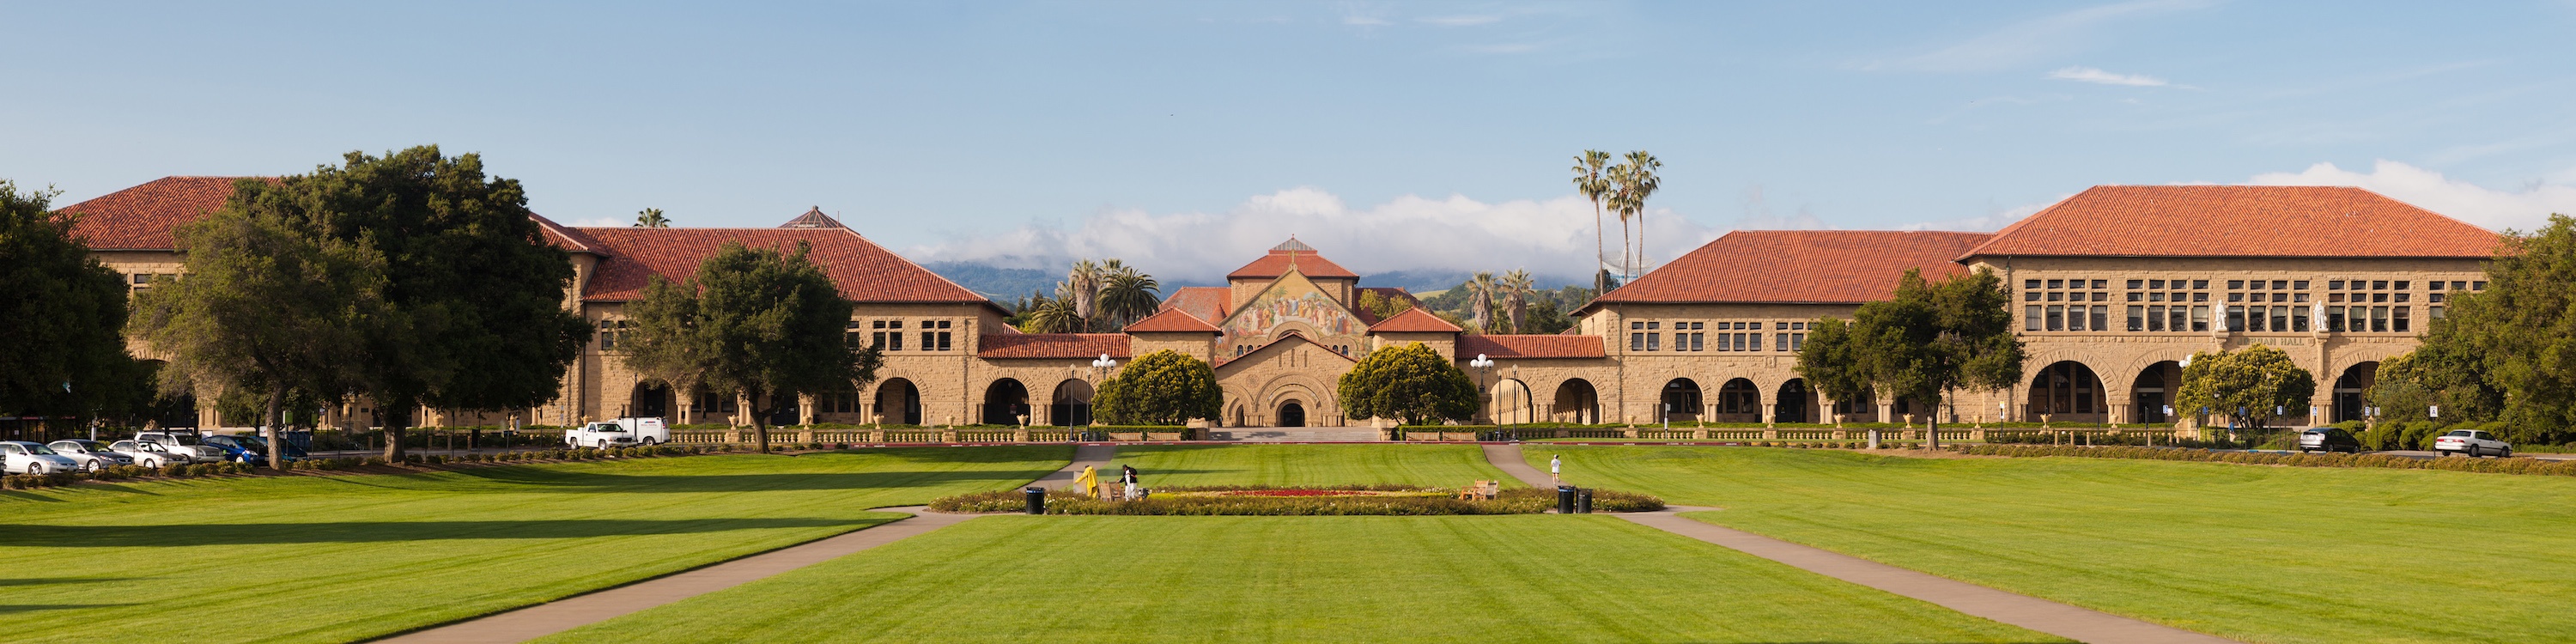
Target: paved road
x,y
582,610
2025,611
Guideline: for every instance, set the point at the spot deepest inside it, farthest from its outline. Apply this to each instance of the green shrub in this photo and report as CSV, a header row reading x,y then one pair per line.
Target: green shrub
x,y
1162,503
2485,465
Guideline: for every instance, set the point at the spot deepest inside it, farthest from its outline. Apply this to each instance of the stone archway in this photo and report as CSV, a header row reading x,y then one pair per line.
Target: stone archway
x,y
2067,391
1292,413
2352,390
1510,402
649,399
1072,404
1681,401
2154,393
1005,401
1795,404
1576,402
1738,401
899,402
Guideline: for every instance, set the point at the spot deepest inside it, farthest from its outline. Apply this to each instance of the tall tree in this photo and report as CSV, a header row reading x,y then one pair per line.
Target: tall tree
x,y
263,308
758,324
1516,294
1082,287
1409,382
1052,315
2514,344
651,218
2250,386
474,315
1161,388
1595,187
1923,344
1481,289
1127,295
65,313
1636,180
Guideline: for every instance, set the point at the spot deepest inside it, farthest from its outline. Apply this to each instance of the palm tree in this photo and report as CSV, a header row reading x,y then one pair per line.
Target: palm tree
x,y
1593,186
651,218
1052,315
1127,295
1638,183
1621,193
1082,287
1516,292
1480,300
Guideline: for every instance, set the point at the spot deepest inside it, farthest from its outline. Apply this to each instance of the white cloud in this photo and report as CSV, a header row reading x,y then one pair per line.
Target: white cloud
x,y
2523,209
1459,21
2095,75
2029,40
1409,233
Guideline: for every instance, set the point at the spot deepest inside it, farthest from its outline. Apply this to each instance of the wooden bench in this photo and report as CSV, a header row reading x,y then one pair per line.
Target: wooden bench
x,y
1481,491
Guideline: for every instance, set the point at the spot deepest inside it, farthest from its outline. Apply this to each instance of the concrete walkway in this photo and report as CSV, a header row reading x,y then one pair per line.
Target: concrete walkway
x,y
2033,613
582,610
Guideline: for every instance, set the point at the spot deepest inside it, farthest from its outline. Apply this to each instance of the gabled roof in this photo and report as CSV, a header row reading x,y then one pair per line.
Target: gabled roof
x,y
2237,221
1285,340
866,272
1052,345
1415,320
1279,259
143,217
1531,346
1202,302
1797,266
1171,321
813,219
569,239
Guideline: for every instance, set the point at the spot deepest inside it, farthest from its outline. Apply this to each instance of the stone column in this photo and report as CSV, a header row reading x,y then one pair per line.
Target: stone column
x,y
804,409
1886,412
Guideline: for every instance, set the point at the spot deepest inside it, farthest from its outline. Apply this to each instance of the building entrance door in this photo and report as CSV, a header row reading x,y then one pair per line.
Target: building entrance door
x,y
1292,414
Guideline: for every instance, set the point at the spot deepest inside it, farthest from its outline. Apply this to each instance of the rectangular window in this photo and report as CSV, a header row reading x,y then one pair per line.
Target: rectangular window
x,y
2138,317
2334,297
2379,319
2456,285
2236,297
2055,296
2101,283
2139,284
2030,296
2235,284
2135,296
2398,320
2236,318
2334,285
2199,318
2075,318
2298,297
2199,284
2057,318
1748,342
1781,342
2101,296
2379,285
894,339
2178,320
2254,318
2299,321
2280,318
2101,318
1650,326
2379,297
1798,326
1797,342
2401,284
2435,298
2401,297
2478,286
943,339
1699,341
1632,326
2030,318
2155,320
2157,284
2436,313
2300,285
2159,297
1654,342
2200,297
2278,284
2334,319
2057,283
929,340
2030,284
1636,342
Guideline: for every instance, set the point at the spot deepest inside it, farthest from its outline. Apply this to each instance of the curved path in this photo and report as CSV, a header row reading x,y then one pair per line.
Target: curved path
x,y
565,614
2080,624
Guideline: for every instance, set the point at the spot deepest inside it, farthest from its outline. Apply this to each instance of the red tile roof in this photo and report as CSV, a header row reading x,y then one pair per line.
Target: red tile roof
x,y
2237,221
143,217
1202,302
866,272
1276,262
1530,346
1053,345
1415,320
813,219
571,240
1171,321
1798,266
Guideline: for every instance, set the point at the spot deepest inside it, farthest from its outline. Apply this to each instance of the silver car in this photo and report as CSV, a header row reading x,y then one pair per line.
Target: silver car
x,y
183,447
150,455
91,455
22,457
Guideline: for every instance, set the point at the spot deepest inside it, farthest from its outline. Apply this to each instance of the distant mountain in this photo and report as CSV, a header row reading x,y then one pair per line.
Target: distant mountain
x,y
1002,284
1423,281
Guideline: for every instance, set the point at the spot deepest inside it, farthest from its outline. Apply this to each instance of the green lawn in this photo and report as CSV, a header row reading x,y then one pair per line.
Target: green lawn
x,y
1185,465
331,559
2273,554
1298,579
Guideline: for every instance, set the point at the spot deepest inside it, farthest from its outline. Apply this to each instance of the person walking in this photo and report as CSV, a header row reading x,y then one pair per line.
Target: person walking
x,y
1556,469
1127,475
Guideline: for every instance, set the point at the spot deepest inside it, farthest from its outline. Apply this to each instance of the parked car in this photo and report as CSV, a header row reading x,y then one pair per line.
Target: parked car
x,y
184,447
152,455
2471,442
250,449
2328,439
22,457
622,432
91,455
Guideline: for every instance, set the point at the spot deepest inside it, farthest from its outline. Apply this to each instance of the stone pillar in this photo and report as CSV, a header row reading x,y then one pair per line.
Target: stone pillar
x,y
804,409
1886,412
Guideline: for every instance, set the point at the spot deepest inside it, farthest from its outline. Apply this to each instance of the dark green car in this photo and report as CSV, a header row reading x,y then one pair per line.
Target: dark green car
x,y
2328,439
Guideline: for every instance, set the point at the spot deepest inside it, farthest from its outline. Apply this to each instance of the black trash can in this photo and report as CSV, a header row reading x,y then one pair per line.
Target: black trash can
x,y
1583,501
1037,499
1564,499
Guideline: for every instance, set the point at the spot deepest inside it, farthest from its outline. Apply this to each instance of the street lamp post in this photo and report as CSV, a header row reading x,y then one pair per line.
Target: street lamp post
x,y
1484,369
1099,366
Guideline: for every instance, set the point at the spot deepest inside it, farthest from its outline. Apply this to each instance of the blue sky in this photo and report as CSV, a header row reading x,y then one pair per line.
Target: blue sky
x,y
1187,136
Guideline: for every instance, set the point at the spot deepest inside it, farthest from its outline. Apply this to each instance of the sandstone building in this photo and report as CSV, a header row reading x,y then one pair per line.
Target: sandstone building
x,y
2114,286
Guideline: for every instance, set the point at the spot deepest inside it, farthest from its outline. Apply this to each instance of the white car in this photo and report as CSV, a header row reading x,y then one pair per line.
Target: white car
x,y
622,432
91,455
183,447
151,455
2471,442
22,457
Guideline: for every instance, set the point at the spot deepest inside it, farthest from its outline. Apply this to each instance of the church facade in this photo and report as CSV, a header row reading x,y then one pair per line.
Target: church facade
x,y
2114,287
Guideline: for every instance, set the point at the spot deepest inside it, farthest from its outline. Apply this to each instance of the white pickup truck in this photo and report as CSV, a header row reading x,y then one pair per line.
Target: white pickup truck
x,y
622,432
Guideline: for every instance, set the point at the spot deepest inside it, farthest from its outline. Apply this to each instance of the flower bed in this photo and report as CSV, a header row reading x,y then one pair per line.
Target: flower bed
x,y
1350,500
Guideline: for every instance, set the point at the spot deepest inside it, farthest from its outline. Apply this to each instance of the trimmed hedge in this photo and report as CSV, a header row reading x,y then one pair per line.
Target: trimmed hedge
x,y
2483,465
1511,501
